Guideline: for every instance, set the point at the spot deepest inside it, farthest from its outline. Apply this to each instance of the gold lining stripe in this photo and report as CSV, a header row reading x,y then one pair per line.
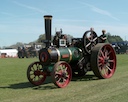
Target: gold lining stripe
x,y
48,17
58,54
70,54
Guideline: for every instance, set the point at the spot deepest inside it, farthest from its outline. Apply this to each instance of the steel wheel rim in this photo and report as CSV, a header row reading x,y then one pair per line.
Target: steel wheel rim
x,y
107,61
35,73
61,74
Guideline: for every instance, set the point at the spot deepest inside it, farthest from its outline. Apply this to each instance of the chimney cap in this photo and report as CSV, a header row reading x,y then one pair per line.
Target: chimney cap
x,y
47,16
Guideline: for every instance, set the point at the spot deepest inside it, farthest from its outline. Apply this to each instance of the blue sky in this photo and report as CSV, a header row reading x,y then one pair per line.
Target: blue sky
x,y
22,20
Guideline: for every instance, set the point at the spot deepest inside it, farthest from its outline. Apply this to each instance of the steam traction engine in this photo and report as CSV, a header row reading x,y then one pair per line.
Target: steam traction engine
x,y
62,60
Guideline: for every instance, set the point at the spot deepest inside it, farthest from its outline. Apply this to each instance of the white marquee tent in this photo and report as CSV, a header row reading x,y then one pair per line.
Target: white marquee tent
x,y
8,53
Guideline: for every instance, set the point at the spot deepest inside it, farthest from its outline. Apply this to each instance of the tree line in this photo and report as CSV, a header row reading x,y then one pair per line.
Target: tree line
x,y
113,38
110,39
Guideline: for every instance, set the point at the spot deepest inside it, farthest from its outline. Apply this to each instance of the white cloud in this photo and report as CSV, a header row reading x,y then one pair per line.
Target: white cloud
x,y
30,7
8,14
103,12
100,11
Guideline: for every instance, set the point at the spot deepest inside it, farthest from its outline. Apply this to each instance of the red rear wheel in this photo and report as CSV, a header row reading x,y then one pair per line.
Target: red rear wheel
x,y
61,74
36,74
103,60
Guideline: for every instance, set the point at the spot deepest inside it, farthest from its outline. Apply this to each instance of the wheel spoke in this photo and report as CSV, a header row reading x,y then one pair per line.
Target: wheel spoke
x,y
108,64
56,76
31,74
101,61
61,67
58,81
102,71
95,39
34,78
65,70
109,68
64,80
109,52
38,66
100,64
102,54
88,44
106,53
105,71
112,61
57,73
32,69
100,58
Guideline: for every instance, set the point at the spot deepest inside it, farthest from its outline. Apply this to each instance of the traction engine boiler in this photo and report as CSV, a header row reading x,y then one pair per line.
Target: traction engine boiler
x,y
61,60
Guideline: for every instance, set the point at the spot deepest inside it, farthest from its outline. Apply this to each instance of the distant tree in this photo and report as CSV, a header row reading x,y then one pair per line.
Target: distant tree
x,y
16,45
113,38
41,38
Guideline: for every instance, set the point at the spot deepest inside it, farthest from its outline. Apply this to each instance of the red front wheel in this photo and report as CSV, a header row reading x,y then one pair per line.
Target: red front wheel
x,y
36,74
61,74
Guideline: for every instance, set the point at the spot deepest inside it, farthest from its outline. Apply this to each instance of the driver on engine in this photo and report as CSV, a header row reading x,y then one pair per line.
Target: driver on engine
x,y
102,38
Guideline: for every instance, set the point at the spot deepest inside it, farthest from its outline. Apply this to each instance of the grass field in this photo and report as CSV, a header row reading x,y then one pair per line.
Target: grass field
x,y
14,86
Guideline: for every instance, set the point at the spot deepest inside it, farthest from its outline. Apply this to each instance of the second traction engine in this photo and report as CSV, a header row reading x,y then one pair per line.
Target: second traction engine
x,y
62,60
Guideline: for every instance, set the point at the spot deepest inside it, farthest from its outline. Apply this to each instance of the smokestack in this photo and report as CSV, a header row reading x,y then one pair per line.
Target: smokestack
x,y
47,20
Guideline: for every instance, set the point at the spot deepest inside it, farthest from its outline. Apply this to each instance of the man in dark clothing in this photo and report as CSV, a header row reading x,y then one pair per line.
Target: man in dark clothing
x,y
102,38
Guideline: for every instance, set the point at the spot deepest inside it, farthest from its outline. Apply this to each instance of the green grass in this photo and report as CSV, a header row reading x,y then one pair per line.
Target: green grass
x,y
14,86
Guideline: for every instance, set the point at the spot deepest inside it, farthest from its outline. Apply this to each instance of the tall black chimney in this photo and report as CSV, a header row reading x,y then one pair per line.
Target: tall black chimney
x,y
47,20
